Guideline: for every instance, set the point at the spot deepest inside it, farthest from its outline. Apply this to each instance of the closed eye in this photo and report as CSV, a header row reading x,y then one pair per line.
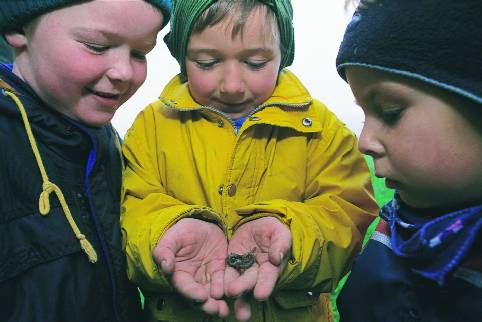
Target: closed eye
x,y
391,116
205,64
255,65
139,55
98,49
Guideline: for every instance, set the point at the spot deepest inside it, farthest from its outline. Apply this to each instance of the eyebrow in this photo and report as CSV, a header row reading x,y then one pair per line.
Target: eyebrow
x,y
369,95
111,35
105,33
392,89
250,51
260,50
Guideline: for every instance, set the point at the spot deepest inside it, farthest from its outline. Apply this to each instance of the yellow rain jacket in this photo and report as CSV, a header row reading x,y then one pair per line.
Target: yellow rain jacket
x,y
291,159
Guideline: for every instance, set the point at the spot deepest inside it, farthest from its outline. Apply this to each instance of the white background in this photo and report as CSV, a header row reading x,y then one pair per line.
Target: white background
x,y
319,27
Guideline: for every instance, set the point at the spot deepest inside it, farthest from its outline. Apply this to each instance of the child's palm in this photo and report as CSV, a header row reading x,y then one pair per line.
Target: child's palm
x,y
194,252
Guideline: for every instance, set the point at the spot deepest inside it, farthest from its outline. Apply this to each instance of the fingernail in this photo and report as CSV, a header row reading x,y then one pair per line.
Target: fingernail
x,y
163,264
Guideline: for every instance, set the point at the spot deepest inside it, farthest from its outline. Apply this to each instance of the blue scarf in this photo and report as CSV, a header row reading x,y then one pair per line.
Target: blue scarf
x,y
433,246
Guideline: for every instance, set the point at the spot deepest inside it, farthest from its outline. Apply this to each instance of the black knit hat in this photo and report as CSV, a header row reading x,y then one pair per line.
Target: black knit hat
x,y
435,41
16,13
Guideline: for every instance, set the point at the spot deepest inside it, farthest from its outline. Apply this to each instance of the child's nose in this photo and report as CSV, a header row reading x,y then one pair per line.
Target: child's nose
x,y
232,82
369,143
121,68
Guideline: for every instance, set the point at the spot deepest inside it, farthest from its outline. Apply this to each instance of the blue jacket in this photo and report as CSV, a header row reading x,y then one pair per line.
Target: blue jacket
x,y
382,287
44,273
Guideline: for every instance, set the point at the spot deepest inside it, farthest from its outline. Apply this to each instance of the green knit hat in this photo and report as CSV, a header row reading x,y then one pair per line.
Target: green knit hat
x,y
186,12
14,14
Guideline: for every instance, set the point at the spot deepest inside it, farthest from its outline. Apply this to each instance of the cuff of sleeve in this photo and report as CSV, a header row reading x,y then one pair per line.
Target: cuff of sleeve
x,y
202,213
253,216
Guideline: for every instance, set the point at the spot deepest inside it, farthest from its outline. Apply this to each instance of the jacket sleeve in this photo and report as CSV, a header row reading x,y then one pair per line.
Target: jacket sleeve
x,y
147,210
328,226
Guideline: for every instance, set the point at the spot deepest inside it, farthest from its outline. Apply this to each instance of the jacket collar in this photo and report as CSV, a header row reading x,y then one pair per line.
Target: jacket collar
x,y
432,241
290,104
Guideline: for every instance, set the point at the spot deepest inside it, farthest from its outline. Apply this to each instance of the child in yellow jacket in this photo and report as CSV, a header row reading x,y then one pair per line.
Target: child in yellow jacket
x,y
238,183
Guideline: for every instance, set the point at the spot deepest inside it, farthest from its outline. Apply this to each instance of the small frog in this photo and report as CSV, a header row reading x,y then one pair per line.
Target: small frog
x,y
242,262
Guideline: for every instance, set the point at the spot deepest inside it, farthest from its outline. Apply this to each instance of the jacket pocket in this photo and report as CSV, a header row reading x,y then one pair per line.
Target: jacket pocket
x,y
168,307
295,299
287,306
30,240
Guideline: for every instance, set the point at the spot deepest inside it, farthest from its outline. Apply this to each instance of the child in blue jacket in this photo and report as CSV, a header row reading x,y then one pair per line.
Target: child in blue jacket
x,y
415,69
76,62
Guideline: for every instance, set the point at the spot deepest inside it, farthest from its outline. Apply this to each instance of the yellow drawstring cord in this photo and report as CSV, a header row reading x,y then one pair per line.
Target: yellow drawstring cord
x,y
49,187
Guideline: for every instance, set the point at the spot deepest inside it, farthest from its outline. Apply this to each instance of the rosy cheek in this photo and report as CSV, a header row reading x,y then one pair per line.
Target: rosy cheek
x,y
264,87
85,63
200,86
140,75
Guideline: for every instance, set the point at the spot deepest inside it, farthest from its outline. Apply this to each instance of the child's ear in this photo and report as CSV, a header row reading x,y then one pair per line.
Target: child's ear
x,y
17,40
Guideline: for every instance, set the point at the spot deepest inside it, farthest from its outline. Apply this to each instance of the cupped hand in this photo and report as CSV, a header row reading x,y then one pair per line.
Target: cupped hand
x,y
270,239
194,252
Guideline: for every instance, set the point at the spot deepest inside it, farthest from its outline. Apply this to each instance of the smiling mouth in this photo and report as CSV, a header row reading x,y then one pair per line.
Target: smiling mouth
x,y
232,105
105,95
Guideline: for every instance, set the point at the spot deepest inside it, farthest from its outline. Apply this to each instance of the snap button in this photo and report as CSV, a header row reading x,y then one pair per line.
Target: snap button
x,y
220,123
160,304
220,190
414,314
307,122
231,190
254,118
68,130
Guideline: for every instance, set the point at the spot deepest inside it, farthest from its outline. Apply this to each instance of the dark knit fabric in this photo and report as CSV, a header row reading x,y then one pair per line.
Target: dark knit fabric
x,y
6,52
14,14
436,41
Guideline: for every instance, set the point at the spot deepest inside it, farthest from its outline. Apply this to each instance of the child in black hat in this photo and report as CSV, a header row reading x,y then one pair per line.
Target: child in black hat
x,y
75,63
415,69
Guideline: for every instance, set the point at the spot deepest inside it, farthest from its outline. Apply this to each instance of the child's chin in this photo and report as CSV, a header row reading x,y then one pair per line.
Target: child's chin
x,y
417,201
96,120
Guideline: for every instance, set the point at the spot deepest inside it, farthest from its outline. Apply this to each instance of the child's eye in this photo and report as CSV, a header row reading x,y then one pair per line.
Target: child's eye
x,y
139,55
205,64
255,65
96,48
390,116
